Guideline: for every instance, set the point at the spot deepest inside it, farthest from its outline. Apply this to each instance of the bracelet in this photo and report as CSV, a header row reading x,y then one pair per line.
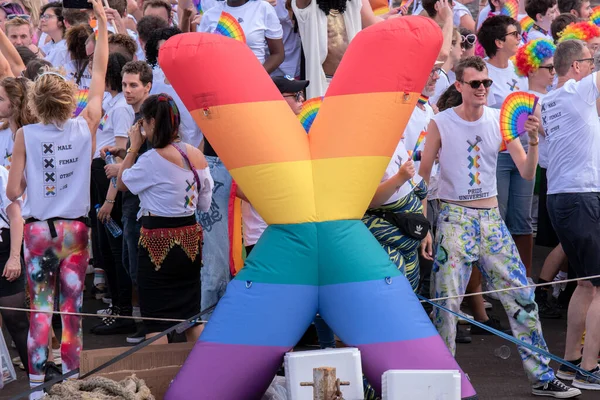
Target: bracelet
x,y
131,151
534,144
109,201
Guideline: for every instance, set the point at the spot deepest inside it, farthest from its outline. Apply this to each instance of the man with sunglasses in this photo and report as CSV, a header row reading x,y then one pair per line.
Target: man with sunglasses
x,y
470,230
572,128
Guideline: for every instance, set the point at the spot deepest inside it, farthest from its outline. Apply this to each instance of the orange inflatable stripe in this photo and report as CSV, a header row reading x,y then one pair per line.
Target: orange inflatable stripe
x,y
334,132
211,89
274,136
406,41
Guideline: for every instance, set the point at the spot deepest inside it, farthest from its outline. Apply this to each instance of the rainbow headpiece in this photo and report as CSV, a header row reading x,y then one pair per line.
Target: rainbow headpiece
x,y
530,56
595,16
229,26
584,30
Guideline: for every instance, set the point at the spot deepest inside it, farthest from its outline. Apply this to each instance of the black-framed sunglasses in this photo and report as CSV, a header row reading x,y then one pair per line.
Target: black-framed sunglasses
x,y
550,68
475,84
22,16
471,38
516,34
297,96
590,60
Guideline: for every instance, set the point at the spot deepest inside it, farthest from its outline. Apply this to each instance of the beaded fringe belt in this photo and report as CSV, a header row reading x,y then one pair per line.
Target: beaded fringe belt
x,y
160,241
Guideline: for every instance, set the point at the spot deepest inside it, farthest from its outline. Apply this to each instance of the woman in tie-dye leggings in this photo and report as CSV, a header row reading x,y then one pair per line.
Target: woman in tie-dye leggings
x,y
49,260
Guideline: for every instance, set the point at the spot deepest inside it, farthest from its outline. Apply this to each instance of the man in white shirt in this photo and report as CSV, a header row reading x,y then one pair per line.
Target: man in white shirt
x,y
543,13
470,230
572,129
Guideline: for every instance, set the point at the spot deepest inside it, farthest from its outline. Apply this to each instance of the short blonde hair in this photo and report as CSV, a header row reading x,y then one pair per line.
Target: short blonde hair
x,y
52,97
17,22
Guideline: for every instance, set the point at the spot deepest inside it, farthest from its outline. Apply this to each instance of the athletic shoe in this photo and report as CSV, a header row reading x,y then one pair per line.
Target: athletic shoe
x,y
139,336
105,311
465,320
487,304
588,382
462,335
492,322
546,311
567,373
556,389
111,325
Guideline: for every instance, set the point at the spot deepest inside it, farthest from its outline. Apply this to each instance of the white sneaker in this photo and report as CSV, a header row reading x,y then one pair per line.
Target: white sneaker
x,y
558,287
105,311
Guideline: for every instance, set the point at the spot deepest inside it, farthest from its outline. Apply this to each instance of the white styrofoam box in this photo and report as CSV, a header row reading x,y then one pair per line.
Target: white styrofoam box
x,y
421,384
299,368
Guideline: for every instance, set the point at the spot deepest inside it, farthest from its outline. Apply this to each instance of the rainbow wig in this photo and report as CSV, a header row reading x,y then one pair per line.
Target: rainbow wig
x,y
584,30
595,16
530,56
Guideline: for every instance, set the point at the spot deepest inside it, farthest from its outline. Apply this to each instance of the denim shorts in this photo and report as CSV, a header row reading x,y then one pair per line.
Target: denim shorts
x,y
576,220
515,195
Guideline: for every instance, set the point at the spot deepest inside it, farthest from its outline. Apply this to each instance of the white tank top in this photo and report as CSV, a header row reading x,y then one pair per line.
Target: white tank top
x,y
468,155
58,170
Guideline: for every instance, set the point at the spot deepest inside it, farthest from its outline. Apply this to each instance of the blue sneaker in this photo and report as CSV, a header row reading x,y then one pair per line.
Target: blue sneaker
x,y
588,382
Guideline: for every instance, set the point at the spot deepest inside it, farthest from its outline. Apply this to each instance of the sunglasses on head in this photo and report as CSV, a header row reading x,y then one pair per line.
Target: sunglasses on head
x,y
477,83
13,16
471,38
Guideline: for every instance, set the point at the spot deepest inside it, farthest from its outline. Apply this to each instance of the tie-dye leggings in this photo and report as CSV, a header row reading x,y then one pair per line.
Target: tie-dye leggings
x,y
49,260
468,235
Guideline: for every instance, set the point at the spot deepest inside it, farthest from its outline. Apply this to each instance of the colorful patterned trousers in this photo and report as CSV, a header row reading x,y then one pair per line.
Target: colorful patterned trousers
x,y
466,236
49,260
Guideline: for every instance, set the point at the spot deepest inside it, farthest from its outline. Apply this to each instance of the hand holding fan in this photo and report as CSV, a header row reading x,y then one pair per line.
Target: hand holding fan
x,y
515,110
309,111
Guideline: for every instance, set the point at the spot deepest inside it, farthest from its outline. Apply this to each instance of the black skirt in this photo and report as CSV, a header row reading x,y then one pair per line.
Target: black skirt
x,y
18,285
169,261
545,231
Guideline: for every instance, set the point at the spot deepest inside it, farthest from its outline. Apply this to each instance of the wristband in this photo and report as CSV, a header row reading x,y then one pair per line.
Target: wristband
x,y
534,144
131,151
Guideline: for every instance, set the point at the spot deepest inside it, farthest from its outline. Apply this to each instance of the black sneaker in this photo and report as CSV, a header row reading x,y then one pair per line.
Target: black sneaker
x,y
492,322
567,373
546,311
139,336
556,389
588,382
111,325
462,335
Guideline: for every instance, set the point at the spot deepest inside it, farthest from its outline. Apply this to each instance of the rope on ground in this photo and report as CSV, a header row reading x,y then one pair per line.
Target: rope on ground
x,y
99,388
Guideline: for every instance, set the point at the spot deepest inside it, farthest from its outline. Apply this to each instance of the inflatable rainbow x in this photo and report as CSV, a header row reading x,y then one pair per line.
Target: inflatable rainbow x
x,y
312,190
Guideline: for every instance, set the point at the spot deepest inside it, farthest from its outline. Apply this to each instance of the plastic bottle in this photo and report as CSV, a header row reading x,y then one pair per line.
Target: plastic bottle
x,y
111,160
502,352
111,225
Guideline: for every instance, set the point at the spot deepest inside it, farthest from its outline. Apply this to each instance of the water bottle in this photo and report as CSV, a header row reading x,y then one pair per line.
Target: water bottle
x,y
111,160
111,225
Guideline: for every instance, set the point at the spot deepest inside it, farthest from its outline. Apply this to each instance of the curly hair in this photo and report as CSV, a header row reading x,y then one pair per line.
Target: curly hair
x,y
152,44
125,45
449,99
35,67
529,57
584,30
52,97
328,5
16,89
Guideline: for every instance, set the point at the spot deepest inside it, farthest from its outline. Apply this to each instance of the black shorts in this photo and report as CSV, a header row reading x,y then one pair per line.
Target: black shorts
x,y
545,231
576,220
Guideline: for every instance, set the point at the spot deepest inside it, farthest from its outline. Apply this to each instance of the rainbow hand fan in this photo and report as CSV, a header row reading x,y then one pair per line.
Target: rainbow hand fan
x,y
510,8
309,111
81,100
230,27
515,110
595,16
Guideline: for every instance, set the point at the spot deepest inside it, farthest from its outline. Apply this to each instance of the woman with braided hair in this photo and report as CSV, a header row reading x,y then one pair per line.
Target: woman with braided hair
x,y
172,180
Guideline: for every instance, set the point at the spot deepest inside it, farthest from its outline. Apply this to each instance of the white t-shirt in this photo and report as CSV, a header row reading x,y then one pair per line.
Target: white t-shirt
x,y
166,189
291,43
116,122
58,170
418,122
6,147
468,155
188,129
253,224
535,34
442,84
257,18
400,157
86,77
506,81
572,129
57,53
484,14
4,201
459,11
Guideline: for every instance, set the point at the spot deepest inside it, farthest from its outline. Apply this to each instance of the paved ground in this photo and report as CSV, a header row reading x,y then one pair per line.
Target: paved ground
x,y
492,377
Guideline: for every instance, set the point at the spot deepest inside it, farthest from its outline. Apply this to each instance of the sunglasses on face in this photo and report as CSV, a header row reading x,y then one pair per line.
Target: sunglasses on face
x,y
550,68
22,16
471,38
477,83
297,96
516,34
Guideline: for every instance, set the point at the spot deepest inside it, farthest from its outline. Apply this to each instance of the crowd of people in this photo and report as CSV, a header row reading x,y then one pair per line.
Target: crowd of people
x,y
104,170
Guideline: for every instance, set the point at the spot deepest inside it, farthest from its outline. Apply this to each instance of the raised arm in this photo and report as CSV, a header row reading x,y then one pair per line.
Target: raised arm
x,y
93,111
11,54
445,12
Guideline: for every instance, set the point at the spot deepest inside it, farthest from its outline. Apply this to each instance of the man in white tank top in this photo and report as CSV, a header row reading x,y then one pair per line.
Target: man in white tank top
x,y
470,229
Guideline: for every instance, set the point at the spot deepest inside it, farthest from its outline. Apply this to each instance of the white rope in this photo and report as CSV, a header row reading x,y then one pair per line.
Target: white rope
x,y
181,320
